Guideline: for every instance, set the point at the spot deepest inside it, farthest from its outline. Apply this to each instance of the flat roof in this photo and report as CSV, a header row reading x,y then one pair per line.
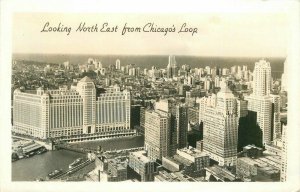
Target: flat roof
x,y
141,155
182,160
119,165
193,152
173,160
221,172
267,163
173,177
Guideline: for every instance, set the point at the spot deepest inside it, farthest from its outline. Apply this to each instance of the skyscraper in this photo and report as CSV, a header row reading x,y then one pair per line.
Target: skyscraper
x,y
260,101
262,78
118,64
275,119
178,123
169,71
179,111
172,68
221,128
86,89
157,134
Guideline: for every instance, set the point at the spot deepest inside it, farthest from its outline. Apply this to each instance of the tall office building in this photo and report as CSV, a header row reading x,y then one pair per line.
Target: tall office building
x,y
275,118
180,113
262,78
178,123
220,129
71,112
157,134
169,71
217,81
118,64
172,68
206,102
208,70
261,102
87,91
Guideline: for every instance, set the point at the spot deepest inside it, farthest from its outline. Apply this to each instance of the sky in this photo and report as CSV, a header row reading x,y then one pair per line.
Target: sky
x,y
230,33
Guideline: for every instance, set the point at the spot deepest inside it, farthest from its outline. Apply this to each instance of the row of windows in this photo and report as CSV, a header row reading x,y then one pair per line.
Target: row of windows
x,y
64,101
67,116
27,114
112,112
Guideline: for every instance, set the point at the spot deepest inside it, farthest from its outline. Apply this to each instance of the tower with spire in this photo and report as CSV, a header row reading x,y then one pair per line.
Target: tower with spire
x,y
220,131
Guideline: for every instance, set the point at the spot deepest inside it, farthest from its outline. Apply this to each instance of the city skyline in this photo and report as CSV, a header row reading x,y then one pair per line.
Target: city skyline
x,y
235,116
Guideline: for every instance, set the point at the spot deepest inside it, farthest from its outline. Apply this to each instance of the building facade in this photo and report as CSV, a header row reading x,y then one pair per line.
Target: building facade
x,y
157,134
178,122
71,112
220,131
142,165
198,158
264,104
283,171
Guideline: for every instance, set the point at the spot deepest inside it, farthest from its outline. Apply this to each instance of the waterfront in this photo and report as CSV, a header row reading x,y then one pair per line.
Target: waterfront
x,y
112,144
40,165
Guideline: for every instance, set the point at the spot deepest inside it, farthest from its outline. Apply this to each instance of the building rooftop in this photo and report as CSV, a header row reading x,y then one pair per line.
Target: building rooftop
x,y
158,112
173,160
250,161
221,172
252,146
262,64
141,155
182,160
193,152
86,79
267,162
273,146
30,91
119,165
173,177
31,147
225,91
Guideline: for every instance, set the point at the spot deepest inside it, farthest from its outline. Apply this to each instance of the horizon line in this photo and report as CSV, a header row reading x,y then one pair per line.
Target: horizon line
x,y
121,54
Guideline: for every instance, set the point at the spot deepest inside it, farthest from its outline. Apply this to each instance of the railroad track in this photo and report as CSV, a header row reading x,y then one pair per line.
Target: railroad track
x,y
69,172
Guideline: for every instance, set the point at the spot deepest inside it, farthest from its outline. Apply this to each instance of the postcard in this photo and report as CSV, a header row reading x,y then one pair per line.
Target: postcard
x,y
116,95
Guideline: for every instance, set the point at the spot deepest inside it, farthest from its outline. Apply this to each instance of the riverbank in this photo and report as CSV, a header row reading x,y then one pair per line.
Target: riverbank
x,y
39,166
111,144
22,148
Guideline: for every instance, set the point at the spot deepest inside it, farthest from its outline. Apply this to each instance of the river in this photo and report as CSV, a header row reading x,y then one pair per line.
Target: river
x,y
39,166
